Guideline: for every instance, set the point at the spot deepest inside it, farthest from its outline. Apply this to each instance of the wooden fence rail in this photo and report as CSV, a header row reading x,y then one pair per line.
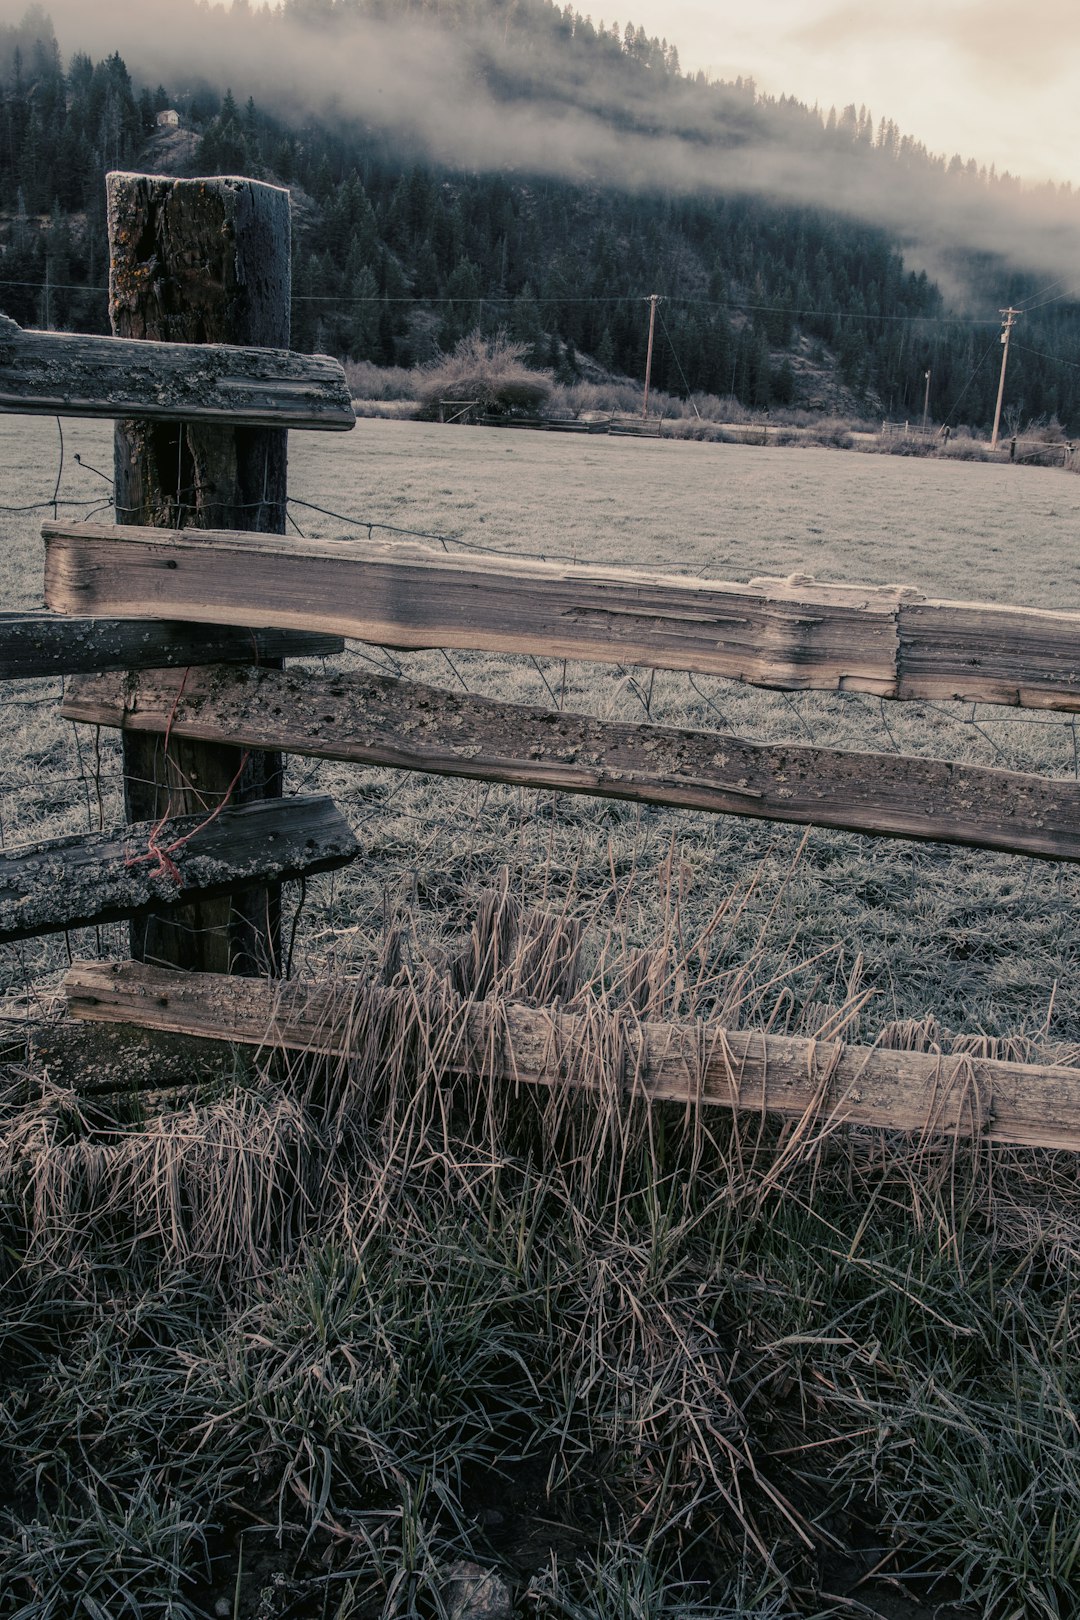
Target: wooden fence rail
x,y
824,1082
373,720
174,624
38,645
78,881
71,374
794,634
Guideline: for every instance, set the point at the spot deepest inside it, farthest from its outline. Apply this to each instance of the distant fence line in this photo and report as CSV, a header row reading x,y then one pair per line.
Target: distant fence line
x,y
1017,447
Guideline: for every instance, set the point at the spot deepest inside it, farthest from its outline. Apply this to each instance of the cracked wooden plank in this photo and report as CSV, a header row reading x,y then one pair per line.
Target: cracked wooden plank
x,y
1019,657
794,634
35,645
825,1084
825,637
72,374
75,882
371,720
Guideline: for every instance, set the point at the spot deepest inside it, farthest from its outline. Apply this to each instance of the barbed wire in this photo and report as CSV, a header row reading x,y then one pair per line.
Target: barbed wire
x,y
448,540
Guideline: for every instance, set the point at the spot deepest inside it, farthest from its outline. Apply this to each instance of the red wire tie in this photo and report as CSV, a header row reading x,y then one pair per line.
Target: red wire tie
x,y
166,867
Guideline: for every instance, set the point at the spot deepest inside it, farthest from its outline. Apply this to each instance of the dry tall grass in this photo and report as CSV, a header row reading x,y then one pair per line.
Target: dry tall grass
x,y
345,1320
295,1342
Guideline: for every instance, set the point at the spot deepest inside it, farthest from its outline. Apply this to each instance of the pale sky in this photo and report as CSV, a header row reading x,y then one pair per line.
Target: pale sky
x,y
991,79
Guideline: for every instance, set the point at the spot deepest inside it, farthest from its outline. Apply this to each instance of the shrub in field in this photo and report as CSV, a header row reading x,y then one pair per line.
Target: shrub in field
x,y
370,382
1046,430
962,447
589,398
701,431
491,372
829,430
387,410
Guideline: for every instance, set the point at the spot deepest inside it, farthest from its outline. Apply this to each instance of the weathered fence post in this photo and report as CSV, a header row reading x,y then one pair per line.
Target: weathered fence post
x,y
201,261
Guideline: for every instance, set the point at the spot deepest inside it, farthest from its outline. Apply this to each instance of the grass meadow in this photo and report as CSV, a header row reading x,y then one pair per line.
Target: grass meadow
x,y
298,1344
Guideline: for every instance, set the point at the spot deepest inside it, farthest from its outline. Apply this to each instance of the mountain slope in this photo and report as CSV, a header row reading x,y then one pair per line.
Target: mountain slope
x,y
401,244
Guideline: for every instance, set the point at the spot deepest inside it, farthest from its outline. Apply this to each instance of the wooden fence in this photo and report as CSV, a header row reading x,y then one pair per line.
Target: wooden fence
x,y
1017,447
174,628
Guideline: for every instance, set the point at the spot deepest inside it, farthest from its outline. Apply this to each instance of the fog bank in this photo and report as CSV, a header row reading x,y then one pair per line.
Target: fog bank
x,y
492,101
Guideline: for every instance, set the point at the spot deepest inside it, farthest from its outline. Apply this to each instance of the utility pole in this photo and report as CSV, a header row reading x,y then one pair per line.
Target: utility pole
x,y
1008,317
654,299
926,402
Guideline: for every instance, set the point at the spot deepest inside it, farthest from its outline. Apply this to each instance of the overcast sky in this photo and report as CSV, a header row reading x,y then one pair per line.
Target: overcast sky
x,y
991,79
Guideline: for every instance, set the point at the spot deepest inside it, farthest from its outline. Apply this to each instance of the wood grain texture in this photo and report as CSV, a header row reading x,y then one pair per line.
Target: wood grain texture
x,y
35,645
77,881
412,597
68,374
797,635
371,720
1021,657
825,1083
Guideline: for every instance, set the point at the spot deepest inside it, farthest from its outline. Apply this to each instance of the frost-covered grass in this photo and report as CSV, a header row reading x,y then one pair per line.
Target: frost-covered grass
x,y
285,1348
982,942
1001,533
290,1346
979,940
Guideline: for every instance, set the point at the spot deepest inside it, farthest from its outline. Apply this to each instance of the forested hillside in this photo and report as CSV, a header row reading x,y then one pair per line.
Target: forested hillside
x,y
396,254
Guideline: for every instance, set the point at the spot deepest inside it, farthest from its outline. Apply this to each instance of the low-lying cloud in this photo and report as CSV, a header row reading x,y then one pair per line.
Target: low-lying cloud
x,y
433,87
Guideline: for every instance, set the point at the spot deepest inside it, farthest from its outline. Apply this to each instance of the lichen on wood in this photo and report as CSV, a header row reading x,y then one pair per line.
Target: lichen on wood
x,y
77,881
376,721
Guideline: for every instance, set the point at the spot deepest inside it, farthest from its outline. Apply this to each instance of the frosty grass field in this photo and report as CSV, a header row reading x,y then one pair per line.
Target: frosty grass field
x,y
983,942
289,1346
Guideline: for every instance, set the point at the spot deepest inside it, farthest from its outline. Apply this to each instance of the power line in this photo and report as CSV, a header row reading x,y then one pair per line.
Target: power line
x,y
1056,359
1057,299
974,373
1028,305
504,299
796,312
54,286
678,362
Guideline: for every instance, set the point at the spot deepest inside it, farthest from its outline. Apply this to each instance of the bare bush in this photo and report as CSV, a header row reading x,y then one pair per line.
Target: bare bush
x,y
588,398
488,372
831,431
701,430
389,410
1047,430
368,381
961,448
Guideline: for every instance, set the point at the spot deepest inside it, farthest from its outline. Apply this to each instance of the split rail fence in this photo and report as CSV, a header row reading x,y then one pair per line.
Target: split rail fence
x,y
173,627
